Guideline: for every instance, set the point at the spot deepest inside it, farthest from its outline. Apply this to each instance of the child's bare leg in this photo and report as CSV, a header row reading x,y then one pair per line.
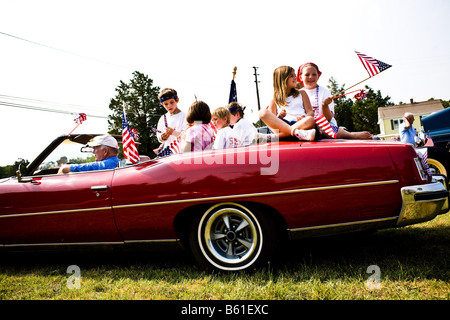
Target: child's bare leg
x,y
362,135
306,123
275,124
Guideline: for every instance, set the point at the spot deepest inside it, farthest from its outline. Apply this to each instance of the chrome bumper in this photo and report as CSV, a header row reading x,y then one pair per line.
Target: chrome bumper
x,y
424,202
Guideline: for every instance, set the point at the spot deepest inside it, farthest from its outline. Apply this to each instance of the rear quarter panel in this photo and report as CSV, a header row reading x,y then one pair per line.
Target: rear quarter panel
x,y
309,184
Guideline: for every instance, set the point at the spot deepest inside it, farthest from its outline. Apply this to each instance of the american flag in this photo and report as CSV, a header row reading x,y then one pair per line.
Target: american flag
x,y
172,148
360,95
326,126
129,147
214,129
423,153
373,66
81,117
233,92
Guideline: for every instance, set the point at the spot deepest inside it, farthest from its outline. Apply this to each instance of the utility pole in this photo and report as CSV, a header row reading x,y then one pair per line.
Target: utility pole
x,y
257,91
257,94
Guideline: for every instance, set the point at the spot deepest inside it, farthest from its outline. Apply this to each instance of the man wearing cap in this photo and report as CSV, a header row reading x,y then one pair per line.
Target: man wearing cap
x,y
407,132
105,149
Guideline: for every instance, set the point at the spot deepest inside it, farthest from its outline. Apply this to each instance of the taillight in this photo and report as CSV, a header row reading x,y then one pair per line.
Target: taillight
x,y
421,167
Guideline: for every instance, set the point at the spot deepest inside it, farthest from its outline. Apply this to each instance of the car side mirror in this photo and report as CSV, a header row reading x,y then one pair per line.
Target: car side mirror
x,y
20,178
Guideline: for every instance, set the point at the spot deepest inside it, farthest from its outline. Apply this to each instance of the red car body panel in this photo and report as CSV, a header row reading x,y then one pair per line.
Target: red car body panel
x,y
309,184
146,198
58,209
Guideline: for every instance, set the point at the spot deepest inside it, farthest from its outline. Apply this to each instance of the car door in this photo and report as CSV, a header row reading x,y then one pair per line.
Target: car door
x,y
58,209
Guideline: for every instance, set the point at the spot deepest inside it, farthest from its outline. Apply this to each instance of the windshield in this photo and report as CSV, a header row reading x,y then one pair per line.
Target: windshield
x,y
68,152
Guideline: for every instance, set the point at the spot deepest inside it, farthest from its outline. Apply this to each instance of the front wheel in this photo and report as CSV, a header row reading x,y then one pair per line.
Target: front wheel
x,y
230,237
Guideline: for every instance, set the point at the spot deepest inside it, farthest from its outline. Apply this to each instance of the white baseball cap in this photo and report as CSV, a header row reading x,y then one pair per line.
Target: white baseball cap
x,y
105,140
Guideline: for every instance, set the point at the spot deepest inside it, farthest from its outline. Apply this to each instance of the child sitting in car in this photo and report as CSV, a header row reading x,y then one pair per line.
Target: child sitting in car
x,y
199,136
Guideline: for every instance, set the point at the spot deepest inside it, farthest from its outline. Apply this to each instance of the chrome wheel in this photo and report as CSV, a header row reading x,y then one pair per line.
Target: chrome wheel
x,y
229,237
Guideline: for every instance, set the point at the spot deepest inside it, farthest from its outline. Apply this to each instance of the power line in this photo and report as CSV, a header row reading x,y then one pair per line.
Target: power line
x,y
23,106
44,102
60,50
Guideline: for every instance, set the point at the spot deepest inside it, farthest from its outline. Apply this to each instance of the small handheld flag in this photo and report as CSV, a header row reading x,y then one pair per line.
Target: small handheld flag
x,y
335,97
155,130
81,117
360,95
326,126
78,120
129,147
173,148
214,129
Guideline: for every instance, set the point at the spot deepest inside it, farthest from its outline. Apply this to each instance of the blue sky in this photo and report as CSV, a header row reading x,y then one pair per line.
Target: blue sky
x,y
77,52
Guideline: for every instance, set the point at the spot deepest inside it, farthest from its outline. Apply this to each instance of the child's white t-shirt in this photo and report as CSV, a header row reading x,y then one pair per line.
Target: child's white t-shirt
x,y
176,121
243,132
316,97
294,108
223,139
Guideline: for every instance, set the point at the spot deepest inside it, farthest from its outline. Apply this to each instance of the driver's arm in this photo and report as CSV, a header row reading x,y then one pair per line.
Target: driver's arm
x,y
64,169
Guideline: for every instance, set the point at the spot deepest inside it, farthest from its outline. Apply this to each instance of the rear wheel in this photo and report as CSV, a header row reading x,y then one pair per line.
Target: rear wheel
x,y
230,237
438,166
439,161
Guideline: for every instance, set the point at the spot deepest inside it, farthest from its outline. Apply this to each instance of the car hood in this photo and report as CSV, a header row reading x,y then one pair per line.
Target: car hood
x,y
4,180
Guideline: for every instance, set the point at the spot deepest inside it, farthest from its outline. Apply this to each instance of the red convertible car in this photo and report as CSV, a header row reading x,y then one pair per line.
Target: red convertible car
x,y
229,207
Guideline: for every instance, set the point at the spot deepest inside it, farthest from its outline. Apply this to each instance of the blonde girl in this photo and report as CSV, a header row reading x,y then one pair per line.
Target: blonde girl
x,y
295,107
322,102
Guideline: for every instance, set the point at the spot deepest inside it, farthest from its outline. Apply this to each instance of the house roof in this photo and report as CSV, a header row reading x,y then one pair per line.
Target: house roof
x,y
416,108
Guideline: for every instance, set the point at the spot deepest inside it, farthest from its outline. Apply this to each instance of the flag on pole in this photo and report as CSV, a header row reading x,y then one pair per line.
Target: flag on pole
x,y
129,147
429,142
78,120
214,129
423,154
233,92
373,66
81,117
361,95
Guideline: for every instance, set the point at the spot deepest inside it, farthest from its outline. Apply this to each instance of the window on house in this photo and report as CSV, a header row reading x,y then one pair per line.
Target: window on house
x,y
395,123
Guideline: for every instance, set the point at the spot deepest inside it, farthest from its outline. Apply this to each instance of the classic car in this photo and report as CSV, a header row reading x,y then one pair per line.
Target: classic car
x,y
230,207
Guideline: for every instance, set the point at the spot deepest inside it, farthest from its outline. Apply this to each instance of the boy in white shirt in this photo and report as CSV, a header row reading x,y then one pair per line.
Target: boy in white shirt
x,y
241,132
221,120
173,123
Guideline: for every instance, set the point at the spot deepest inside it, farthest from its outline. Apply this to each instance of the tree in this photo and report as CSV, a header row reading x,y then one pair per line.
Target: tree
x,y
342,106
361,115
9,171
445,103
365,111
142,108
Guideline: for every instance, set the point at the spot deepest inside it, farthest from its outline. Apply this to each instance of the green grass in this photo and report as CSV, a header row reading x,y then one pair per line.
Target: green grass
x,y
413,261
